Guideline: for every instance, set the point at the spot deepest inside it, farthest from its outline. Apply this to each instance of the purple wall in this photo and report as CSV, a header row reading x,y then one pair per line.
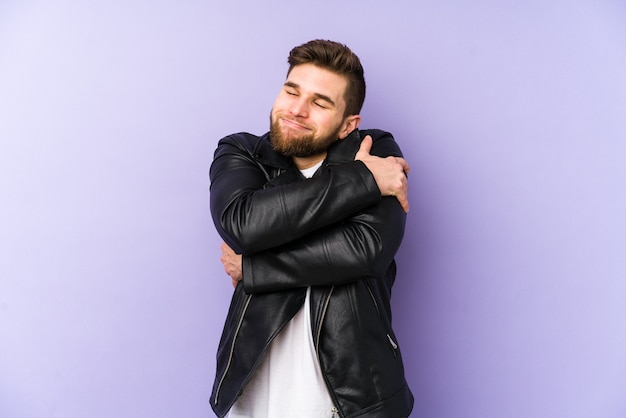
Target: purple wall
x,y
512,277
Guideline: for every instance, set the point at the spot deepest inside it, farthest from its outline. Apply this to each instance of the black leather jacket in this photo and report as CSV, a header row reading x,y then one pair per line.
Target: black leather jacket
x,y
334,233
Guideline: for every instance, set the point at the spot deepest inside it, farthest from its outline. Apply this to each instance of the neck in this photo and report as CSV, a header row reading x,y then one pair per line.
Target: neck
x,y
307,162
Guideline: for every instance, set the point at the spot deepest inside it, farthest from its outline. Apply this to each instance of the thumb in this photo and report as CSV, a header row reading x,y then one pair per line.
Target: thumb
x,y
365,148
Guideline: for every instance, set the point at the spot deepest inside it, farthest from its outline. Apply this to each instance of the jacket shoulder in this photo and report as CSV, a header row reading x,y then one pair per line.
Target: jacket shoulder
x,y
383,143
376,134
244,140
257,148
246,144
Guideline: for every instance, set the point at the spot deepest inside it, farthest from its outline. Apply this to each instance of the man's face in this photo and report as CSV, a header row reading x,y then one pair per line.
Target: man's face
x,y
308,114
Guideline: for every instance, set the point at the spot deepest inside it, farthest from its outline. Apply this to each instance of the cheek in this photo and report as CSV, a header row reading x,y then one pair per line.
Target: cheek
x,y
279,104
330,123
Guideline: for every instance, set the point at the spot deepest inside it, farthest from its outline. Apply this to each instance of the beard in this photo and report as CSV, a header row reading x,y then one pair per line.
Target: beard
x,y
300,146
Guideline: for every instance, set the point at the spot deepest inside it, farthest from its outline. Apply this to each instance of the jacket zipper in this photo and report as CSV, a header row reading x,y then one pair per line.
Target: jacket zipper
x,y
319,327
394,345
334,410
232,348
369,289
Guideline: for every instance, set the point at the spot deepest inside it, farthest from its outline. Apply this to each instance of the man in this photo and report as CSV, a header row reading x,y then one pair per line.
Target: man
x,y
312,216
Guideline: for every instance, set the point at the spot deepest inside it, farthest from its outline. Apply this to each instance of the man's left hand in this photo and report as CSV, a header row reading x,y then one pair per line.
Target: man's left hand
x,y
389,173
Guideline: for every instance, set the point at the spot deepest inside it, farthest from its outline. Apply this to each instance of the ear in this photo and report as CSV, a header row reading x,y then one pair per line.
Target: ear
x,y
349,124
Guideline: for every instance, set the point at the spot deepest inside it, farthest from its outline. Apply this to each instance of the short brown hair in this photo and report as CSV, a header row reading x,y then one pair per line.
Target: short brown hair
x,y
339,59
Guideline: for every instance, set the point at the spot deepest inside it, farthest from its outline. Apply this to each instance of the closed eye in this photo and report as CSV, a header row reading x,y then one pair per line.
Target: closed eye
x,y
291,88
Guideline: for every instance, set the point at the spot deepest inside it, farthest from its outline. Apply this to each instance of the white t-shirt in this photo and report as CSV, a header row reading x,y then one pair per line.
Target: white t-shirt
x,y
289,381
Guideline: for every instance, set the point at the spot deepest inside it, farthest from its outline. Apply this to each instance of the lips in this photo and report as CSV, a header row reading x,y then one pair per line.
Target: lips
x,y
290,123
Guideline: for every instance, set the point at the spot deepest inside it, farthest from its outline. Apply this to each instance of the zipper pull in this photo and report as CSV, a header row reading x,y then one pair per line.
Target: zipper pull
x,y
335,412
393,345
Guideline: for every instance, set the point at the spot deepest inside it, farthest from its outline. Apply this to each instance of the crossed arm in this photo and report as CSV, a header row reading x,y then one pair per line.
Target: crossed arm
x,y
345,250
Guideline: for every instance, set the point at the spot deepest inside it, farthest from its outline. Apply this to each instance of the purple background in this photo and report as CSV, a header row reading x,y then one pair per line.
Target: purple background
x,y
510,299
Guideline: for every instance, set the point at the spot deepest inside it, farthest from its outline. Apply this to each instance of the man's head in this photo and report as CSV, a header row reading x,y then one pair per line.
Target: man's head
x,y
319,102
339,59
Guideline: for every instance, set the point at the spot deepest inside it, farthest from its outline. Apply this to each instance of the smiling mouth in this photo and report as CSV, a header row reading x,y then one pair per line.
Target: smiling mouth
x,y
289,123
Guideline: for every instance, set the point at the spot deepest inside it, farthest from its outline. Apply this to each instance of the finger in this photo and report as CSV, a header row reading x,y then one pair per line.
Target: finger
x,y
402,195
366,146
404,201
405,166
405,204
368,142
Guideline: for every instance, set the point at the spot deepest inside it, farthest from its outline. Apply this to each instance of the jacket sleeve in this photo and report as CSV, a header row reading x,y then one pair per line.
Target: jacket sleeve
x,y
361,246
251,218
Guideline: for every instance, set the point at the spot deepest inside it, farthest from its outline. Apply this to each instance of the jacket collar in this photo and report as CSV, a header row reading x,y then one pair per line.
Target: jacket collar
x,y
344,150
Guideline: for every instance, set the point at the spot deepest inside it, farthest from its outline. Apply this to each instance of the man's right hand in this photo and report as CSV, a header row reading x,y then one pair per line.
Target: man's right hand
x,y
232,264
389,173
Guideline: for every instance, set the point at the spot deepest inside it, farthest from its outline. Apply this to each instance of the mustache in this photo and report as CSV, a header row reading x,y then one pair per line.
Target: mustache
x,y
274,118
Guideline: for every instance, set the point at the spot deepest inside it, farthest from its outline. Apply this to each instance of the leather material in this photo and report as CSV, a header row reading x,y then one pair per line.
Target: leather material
x,y
351,235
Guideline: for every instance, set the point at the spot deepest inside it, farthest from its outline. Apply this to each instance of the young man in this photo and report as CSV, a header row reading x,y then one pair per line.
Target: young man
x,y
312,214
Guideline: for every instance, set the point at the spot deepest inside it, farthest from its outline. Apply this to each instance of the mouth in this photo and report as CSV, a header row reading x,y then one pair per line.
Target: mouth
x,y
292,124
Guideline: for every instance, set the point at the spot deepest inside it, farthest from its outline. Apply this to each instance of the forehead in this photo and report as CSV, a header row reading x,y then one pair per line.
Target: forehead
x,y
312,79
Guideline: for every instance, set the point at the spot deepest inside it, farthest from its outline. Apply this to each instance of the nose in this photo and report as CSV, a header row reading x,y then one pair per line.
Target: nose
x,y
299,107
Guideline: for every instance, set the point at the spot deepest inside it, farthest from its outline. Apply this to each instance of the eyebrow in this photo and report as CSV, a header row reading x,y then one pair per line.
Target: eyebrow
x,y
318,95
